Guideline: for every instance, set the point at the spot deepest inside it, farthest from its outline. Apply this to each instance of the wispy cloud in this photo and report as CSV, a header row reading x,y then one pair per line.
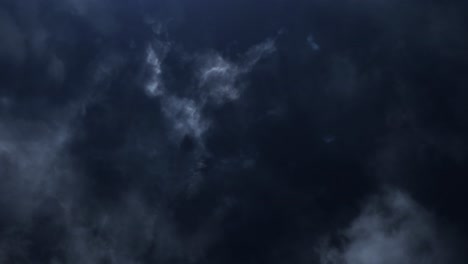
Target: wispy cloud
x,y
392,228
154,85
218,81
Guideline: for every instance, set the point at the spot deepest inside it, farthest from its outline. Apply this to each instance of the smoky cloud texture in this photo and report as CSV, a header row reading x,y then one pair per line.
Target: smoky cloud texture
x,y
392,228
233,132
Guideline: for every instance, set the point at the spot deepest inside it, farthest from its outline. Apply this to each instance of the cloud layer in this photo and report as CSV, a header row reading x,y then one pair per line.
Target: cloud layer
x,y
392,228
233,132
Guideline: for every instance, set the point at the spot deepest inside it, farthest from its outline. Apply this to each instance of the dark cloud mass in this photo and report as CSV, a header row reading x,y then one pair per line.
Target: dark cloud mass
x,y
178,131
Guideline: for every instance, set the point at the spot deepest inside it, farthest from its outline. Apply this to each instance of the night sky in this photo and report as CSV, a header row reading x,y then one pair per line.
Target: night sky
x,y
233,132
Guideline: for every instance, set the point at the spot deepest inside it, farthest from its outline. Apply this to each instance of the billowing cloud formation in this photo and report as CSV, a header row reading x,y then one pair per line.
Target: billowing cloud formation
x,y
232,131
185,116
219,77
222,79
33,162
392,228
218,81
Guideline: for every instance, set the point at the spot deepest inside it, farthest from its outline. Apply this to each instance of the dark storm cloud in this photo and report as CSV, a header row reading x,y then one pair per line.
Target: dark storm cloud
x,y
392,228
217,81
31,161
233,131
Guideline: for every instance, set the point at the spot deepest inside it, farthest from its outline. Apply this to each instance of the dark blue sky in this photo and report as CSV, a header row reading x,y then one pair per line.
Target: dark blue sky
x,y
328,132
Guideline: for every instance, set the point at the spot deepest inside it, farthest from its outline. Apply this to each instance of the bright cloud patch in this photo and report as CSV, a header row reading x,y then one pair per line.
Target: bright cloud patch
x,y
391,229
154,86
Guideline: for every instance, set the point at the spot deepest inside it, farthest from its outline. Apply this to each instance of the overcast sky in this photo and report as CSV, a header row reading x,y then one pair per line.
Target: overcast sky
x,y
233,131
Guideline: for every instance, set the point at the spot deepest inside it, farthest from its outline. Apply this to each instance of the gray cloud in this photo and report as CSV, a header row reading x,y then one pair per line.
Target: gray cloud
x,y
392,228
312,43
155,151
156,52
154,85
221,79
258,52
218,80
186,116
34,162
